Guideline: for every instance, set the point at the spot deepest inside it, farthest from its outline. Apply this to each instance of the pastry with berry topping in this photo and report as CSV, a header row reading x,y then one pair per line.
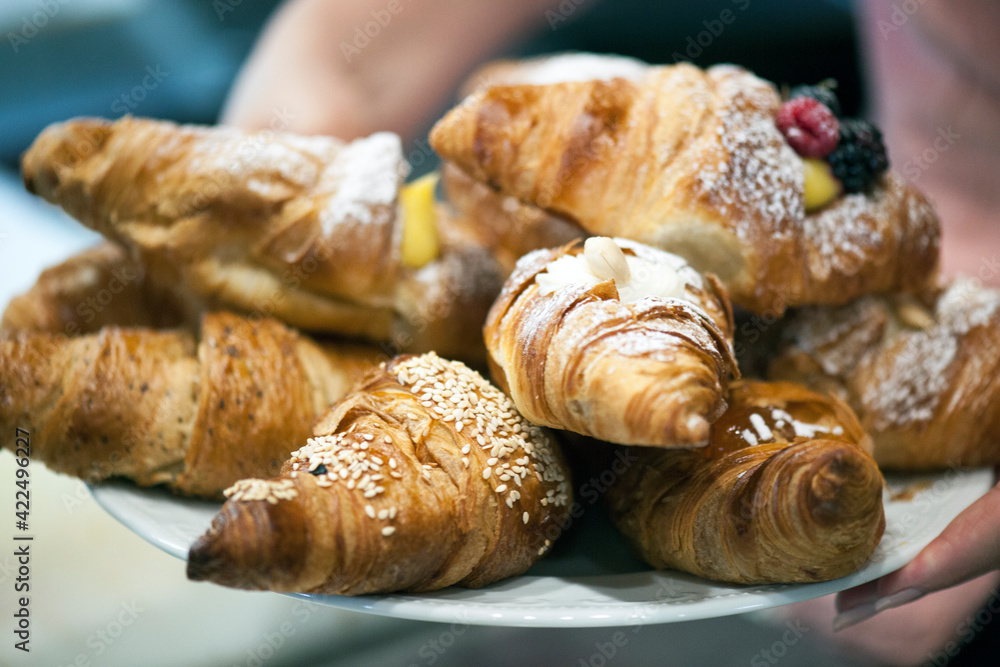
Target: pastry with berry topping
x,y
695,162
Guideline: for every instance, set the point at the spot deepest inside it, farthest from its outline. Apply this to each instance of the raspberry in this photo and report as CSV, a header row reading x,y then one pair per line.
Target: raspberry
x,y
860,157
809,126
822,93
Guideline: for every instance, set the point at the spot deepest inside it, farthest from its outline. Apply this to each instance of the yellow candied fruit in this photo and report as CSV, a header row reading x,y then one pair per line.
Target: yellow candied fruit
x,y
821,186
420,235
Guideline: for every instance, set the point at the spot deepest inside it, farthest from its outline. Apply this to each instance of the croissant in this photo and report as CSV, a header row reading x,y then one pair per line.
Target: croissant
x,y
509,228
923,376
786,492
423,478
159,408
97,287
309,230
691,161
614,340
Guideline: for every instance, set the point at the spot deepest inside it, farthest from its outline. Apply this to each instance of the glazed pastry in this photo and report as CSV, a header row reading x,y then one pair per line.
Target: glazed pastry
x,y
98,287
160,408
786,492
613,340
923,376
306,229
426,477
693,161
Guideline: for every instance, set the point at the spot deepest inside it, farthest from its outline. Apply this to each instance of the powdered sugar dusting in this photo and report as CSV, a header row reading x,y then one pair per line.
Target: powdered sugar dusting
x,y
839,338
365,178
578,67
908,389
753,172
842,239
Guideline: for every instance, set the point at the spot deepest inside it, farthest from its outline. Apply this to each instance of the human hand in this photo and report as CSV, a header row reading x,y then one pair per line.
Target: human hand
x,y
348,68
967,548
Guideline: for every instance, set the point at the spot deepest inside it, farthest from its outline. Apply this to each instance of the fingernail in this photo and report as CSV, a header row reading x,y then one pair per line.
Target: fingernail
x,y
850,617
898,599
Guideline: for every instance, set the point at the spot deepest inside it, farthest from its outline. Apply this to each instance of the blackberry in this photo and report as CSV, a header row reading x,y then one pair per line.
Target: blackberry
x,y
822,93
859,157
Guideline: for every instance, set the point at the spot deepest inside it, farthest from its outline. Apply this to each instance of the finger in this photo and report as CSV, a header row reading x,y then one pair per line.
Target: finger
x,y
857,596
967,548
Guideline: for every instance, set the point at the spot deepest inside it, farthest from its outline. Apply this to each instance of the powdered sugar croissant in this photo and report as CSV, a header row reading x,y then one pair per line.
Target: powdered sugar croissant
x,y
923,375
425,477
786,492
691,161
306,229
613,340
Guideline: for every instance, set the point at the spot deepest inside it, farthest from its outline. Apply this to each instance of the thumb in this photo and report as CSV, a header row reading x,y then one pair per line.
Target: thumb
x,y
967,548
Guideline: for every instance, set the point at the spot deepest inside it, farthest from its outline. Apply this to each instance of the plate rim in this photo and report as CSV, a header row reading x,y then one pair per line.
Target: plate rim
x,y
476,609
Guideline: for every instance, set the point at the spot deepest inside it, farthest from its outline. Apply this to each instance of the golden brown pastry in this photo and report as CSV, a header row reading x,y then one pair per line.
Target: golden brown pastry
x,y
614,340
306,229
160,408
786,492
100,286
424,478
924,377
554,68
691,161
503,224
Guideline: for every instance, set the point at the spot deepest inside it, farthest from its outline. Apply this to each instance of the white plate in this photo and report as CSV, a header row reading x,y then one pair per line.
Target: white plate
x,y
590,579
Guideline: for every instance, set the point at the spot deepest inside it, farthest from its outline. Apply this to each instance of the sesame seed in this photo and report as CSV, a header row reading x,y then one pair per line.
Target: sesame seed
x,y
383,514
370,511
487,472
388,530
524,517
501,488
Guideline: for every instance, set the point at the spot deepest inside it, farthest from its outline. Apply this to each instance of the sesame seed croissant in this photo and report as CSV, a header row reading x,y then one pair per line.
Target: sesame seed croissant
x,y
786,492
613,340
423,478
691,161
309,230
922,375
162,407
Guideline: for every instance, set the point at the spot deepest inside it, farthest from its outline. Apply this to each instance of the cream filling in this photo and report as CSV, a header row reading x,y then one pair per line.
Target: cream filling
x,y
602,259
